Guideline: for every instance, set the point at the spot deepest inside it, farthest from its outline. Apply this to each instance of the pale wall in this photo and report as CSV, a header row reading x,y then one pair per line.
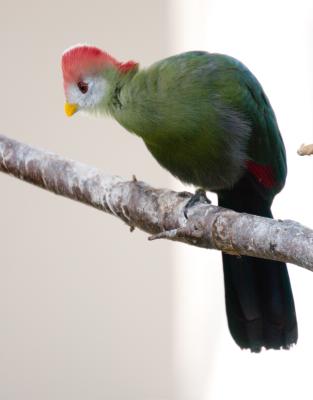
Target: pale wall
x,y
85,306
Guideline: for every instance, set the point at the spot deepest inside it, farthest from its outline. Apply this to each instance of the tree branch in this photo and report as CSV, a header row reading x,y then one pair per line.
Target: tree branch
x,y
160,211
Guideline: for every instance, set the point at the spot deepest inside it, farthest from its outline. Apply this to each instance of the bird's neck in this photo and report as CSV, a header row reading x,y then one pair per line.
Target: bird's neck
x,y
115,79
133,104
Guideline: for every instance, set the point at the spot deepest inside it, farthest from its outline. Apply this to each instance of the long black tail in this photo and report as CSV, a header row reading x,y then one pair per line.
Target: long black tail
x,y
259,301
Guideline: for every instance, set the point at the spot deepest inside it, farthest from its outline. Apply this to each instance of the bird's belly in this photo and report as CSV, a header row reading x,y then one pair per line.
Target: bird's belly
x,y
197,151
204,168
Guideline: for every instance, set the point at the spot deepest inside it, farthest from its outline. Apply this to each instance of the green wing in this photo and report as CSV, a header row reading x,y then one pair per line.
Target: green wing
x,y
240,90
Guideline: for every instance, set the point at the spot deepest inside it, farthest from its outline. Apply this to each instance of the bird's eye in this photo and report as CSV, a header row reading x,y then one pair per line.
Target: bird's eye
x,y
82,86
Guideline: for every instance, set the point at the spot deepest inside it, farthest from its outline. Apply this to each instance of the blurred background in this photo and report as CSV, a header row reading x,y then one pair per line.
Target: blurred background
x,y
88,310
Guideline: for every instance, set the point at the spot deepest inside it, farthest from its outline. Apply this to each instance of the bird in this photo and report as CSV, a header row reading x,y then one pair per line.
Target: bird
x,y
207,120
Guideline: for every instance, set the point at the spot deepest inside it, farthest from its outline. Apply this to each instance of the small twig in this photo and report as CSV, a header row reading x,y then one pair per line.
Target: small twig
x,y
305,150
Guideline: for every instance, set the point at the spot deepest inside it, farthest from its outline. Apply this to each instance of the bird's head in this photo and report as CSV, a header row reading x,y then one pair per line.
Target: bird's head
x,y
88,76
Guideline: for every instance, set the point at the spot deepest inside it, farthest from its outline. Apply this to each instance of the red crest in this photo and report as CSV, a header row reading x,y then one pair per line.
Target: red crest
x,y
85,60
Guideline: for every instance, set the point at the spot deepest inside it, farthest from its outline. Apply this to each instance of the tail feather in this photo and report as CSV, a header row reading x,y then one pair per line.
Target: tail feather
x,y
259,301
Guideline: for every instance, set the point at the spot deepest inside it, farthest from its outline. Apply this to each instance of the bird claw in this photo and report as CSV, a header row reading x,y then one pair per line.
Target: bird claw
x,y
198,197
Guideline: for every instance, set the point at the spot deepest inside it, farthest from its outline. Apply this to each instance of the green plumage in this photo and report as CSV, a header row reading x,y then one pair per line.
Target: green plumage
x,y
206,119
201,115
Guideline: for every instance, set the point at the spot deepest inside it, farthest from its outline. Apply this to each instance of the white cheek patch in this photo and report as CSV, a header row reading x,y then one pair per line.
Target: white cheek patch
x,y
97,90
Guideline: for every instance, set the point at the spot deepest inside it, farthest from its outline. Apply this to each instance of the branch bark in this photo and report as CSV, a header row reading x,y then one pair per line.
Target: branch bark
x,y
160,211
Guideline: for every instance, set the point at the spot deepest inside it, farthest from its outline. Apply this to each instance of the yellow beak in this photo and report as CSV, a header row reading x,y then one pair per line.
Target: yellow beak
x,y
70,109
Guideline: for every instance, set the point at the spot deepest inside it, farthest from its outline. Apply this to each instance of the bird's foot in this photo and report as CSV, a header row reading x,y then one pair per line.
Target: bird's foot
x,y
198,197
